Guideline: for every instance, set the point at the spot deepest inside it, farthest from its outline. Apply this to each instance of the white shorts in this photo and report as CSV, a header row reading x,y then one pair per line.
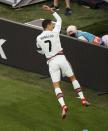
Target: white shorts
x,y
58,65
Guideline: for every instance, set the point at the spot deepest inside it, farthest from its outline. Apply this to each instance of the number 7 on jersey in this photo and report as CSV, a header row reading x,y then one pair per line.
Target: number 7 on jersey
x,y
50,45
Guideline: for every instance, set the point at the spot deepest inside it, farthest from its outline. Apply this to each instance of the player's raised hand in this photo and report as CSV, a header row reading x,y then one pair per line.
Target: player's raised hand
x,y
47,8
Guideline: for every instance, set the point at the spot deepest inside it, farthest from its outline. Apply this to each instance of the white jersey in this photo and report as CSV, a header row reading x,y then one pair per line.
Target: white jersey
x,y
49,41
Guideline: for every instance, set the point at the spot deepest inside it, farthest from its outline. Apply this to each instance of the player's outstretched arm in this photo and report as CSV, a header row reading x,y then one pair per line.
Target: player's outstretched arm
x,y
47,8
57,27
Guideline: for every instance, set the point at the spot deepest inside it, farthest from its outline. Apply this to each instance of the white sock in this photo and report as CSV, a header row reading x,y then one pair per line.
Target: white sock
x,y
77,88
81,95
59,95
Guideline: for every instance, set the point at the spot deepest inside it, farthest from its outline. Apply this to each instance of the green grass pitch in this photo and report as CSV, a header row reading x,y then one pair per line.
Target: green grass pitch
x,y
28,103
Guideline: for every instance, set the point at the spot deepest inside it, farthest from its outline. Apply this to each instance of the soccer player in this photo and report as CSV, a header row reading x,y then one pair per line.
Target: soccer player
x,y
48,43
87,37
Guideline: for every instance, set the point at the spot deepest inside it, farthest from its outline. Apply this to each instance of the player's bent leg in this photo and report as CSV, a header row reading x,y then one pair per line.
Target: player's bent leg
x,y
78,90
55,76
60,98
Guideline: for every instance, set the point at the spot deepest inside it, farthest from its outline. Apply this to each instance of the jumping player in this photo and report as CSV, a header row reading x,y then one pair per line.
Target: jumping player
x,y
48,43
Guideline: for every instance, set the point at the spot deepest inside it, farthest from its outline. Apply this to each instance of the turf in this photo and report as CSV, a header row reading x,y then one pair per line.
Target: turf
x,y
28,103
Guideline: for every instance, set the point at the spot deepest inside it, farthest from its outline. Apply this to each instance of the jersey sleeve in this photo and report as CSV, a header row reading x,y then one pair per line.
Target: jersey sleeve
x,y
39,49
58,23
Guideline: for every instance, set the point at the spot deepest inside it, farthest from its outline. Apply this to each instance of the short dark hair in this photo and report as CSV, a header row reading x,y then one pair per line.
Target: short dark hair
x,y
45,23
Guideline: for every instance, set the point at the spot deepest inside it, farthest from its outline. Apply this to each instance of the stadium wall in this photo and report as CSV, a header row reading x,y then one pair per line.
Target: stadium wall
x,y
18,49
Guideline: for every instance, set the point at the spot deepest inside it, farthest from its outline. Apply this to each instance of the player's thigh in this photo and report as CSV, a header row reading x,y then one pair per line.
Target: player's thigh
x,y
66,68
54,71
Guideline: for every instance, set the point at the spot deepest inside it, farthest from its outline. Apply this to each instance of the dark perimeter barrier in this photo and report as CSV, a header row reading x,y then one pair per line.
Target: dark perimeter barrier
x,y
18,49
